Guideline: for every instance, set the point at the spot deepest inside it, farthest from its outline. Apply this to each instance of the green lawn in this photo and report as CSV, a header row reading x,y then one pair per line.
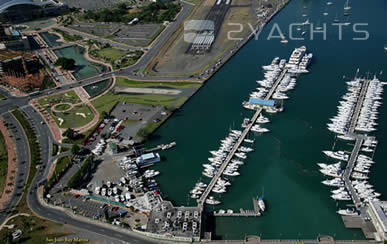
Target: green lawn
x,y
3,163
54,149
68,37
107,101
73,117
121,81
61,163
111,53
68,97
35,230
118,58
62,107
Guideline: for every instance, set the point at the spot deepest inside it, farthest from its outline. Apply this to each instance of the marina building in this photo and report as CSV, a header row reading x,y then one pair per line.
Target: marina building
x,y
377,212
261,102
148,159
174,223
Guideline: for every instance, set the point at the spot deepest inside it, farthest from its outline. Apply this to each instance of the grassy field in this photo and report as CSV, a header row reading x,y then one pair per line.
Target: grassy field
x,y
74,117
3,163
121,81
107,101
62,107
68,37
61,163
66,97
54,149
35,230
118,58
111,53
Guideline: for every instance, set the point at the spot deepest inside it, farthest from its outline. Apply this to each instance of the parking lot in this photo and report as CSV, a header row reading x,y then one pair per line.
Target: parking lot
x,y
136,35
136,116
90,4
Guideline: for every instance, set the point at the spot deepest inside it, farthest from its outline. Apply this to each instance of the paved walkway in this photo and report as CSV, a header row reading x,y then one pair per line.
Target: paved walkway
x,y
14,216
85,99
12,168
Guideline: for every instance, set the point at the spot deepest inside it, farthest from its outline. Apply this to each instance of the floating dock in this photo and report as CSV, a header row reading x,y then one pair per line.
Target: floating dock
x,y
359,105
242,212
219,173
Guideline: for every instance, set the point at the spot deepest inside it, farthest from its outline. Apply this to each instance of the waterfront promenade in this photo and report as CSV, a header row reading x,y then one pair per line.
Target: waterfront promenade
x,y
219,173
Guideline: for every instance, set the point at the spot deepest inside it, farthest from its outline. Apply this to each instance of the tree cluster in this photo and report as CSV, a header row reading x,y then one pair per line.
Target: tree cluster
x,y
65,63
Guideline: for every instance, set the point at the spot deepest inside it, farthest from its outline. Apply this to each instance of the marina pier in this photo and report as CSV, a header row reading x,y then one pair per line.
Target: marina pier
x,y
359,105
242,212
227,160
349,168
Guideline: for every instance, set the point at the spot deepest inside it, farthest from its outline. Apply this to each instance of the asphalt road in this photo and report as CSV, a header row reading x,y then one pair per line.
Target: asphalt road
x,y
22,164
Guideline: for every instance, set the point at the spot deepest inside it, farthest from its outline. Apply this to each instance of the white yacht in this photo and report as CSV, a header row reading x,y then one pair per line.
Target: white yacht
x,y
324,166
334,182
257,128
261,204
337,173
248,140
241,155
340,155
341,197
347,212
212,201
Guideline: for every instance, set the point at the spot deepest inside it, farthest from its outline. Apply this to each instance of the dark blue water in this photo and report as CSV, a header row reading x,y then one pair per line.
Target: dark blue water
x,y
283,164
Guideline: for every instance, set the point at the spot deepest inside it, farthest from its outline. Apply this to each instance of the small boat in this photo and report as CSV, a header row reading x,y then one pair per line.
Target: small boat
x,y
261,204
329,3
347,212
346,5
248,140
336,20
284,41
194,196
385,47
212,201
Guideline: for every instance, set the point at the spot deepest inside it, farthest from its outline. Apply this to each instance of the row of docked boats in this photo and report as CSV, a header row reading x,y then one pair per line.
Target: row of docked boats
x,y
368,94
217,159
273,72
357,113
298,63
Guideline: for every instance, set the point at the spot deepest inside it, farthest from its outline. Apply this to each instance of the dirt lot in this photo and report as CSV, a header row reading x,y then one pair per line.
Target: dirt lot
x,y
175,61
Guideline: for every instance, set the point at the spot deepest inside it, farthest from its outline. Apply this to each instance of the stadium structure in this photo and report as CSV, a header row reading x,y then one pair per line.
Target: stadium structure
x,y
24,10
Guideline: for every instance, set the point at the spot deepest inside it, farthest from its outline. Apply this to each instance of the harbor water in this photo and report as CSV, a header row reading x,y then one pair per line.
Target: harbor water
x,y
283,165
